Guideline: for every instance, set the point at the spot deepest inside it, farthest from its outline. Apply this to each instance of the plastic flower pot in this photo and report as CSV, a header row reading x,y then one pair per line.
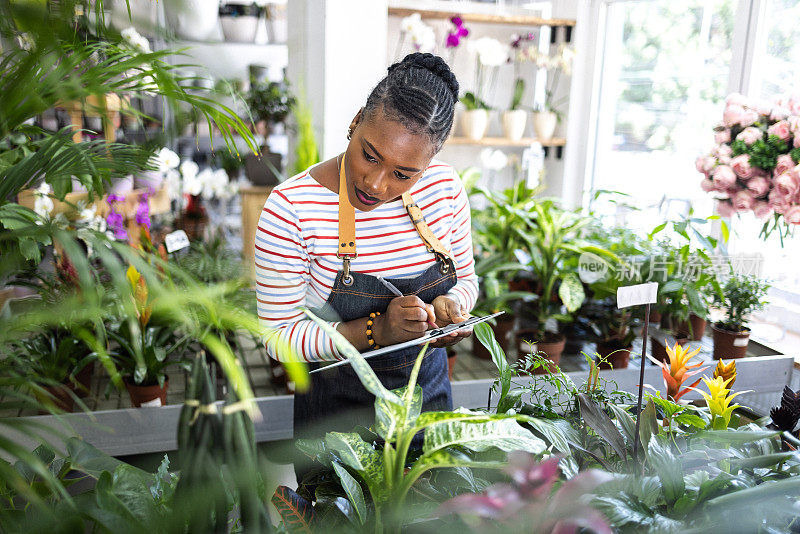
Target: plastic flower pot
x,y
552,347
451,362
613,355
146,396
61,398
514,123
729,344
240,21
474,123
698,326
84,380
544,124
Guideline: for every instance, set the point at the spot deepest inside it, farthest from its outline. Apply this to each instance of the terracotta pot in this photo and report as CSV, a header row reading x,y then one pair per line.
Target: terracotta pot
x,y
655,316
552,348
474,123
514,123
84,379
729,344
698,327
544,124
501,333
613,355
61,398
147,395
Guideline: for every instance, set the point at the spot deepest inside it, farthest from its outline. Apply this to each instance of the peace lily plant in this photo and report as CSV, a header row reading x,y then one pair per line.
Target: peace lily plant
x,y
450,440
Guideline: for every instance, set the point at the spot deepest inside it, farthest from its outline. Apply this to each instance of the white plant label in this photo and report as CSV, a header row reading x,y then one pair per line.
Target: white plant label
x,y
176,241
637,295
150,403
740,341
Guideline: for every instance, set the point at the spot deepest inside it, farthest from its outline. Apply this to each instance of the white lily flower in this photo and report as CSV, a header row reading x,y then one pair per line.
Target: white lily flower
x,y
189,169
166,159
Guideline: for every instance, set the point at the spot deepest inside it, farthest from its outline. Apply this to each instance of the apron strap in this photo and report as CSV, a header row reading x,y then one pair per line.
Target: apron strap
x,y
424,231
346,250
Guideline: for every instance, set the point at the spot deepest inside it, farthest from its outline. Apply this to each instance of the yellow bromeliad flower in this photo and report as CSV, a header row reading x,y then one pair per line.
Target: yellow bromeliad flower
x,y
727,372
719,400
140,294
678,370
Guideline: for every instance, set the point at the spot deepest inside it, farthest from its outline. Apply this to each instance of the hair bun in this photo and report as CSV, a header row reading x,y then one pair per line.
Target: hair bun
x,y
434,64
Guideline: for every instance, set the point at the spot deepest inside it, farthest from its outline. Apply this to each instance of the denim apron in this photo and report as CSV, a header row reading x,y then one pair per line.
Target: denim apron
x,y
336,400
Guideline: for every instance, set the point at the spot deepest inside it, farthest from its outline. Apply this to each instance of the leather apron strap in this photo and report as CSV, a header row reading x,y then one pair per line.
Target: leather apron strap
x,y
347,229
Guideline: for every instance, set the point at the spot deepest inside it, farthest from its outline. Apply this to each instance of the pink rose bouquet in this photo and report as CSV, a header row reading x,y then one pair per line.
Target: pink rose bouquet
x,y
753,165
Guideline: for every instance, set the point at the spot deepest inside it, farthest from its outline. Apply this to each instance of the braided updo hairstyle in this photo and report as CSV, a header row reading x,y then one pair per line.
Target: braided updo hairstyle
x,y
420,92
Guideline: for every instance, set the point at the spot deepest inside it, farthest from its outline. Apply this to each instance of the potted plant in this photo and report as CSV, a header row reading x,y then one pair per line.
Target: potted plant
x,y
514,118
145,345
57,361
475,118
239,20
269,104
556,236
741,296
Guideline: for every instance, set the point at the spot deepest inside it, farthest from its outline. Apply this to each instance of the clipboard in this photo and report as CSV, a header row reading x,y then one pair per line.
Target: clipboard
x,y
430,335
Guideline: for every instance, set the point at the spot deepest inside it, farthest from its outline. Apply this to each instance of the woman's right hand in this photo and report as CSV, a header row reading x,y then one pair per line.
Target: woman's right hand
x,y
406,318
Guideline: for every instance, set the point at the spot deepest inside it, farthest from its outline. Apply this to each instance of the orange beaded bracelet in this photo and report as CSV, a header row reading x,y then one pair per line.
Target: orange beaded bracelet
x,y
370,322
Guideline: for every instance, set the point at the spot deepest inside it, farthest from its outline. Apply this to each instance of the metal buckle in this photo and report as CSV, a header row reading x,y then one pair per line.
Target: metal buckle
x,y
347,279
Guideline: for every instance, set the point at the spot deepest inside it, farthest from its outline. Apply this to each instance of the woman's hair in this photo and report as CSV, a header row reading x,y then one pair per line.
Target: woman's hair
x,y
419,92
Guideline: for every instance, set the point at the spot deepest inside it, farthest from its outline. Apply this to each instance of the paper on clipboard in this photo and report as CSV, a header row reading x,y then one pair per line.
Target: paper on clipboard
x,y
430,335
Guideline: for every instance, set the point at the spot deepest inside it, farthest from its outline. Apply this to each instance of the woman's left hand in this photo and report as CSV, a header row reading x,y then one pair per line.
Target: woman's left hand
x,y
448,311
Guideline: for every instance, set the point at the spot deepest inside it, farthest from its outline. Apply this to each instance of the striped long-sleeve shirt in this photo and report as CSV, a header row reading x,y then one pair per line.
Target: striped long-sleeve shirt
x,y
295,251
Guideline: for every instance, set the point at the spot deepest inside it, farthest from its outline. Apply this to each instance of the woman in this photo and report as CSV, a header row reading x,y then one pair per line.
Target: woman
x,y
382,208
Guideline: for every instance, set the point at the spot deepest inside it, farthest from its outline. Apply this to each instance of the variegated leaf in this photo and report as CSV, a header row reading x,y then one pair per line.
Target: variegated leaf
x,y
505,434
364,459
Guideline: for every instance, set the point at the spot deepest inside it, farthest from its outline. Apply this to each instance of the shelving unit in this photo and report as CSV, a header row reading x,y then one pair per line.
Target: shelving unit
x,y
515,20
503,141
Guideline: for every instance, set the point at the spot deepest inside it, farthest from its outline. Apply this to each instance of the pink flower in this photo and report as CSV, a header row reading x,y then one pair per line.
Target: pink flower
x,y
796,143
736,99
723,151
722,136
779,113
725,209
705,164
785,163
759,186
794,123
748,118
732,115
750,135
741,166
723,177
707,185
743,200
788,183
778,202
761,209
792,215
781,129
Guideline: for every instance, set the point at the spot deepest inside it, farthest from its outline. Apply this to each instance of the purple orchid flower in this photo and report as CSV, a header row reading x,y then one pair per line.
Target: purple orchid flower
x,y
143,212
454,37
116,223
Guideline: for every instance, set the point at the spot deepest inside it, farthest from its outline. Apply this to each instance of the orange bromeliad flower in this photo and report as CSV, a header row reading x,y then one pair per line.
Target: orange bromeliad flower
x,y
727,372
678,370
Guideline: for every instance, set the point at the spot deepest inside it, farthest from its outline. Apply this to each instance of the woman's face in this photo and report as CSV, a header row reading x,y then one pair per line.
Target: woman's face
x,y
384,160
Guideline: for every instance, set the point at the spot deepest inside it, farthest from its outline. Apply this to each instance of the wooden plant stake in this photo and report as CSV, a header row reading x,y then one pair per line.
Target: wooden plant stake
x,y
636,296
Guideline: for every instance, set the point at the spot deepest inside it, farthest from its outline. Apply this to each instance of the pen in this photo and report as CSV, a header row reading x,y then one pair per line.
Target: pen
x,y
397,293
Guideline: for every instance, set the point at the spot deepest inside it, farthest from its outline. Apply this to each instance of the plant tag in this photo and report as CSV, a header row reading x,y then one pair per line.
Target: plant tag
x,y
151,403
741,341
637,295
176,241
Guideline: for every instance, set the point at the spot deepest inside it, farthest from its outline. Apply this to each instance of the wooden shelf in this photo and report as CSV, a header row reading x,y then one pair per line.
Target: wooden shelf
x,y
503,141
516,20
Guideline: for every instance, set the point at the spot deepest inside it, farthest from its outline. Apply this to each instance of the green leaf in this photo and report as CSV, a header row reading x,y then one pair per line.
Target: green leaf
x,y
363,458
353,490
602,424
668,467
297,513
390,417
760,462
733,437
625,420
506,435
571,292
648,424
671,286
450,458
690,419
485,335
365,373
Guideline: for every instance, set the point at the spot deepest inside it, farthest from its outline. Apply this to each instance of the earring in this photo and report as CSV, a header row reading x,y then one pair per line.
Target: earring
x,y
349,133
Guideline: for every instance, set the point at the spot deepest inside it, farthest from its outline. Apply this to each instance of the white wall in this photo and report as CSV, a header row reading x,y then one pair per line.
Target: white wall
x,y
337,51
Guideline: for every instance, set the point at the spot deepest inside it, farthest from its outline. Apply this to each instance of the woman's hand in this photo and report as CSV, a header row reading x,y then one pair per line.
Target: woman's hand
x,y
406,318
448,312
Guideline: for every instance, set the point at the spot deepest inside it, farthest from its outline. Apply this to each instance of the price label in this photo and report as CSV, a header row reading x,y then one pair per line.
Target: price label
x,y
176,241
741,341
637,295
152,403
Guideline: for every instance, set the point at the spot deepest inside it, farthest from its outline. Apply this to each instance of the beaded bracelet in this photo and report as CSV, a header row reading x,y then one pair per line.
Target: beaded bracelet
x,y
370,322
